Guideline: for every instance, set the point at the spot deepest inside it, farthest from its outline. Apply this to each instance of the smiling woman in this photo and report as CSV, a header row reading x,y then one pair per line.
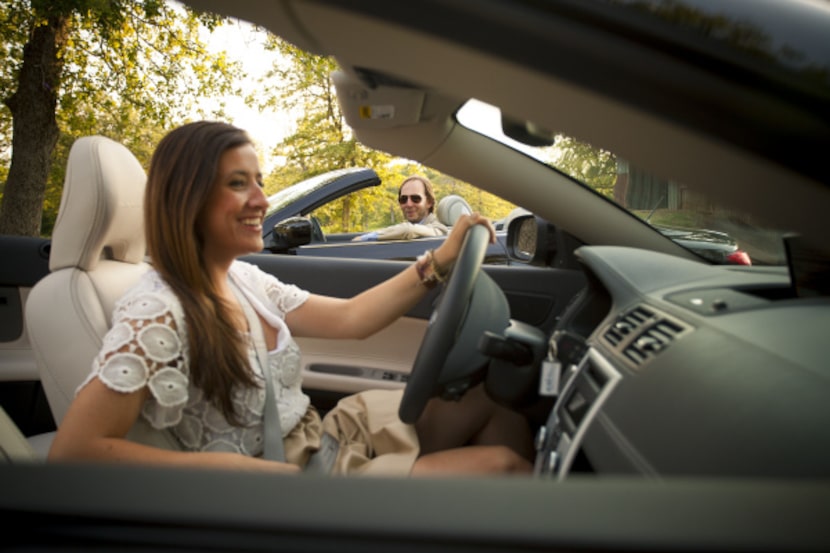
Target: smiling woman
x,y
203,348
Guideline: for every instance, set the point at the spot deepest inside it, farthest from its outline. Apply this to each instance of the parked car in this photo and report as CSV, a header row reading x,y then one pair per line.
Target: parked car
x,y
680,405
291,227
712,245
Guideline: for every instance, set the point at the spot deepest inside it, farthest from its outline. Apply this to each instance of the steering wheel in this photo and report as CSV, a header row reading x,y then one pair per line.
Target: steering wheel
x,y
448,361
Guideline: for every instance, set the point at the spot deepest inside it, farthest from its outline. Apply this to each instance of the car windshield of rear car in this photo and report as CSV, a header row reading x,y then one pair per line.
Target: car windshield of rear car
x,y
292,193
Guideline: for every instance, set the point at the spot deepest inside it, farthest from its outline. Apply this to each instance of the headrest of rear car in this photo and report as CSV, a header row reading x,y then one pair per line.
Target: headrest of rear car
x,y
450,208
101,213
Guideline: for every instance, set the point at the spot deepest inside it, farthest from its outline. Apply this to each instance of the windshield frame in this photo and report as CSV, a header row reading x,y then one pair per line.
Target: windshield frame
x,y
679,213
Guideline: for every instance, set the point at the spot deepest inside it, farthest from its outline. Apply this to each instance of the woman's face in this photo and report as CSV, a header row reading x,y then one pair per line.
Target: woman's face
x,y
231,222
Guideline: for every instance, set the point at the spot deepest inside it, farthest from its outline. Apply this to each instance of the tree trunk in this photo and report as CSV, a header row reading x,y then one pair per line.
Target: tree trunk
x,y
34,129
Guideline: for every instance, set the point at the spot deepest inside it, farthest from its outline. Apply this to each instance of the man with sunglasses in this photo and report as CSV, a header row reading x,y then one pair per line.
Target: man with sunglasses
x,y
417,201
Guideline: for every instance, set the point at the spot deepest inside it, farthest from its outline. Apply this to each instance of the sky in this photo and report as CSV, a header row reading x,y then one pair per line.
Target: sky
x,y
244,44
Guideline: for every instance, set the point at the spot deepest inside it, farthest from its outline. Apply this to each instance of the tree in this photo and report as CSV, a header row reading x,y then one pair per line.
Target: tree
x,y
592,166
128,69
322,141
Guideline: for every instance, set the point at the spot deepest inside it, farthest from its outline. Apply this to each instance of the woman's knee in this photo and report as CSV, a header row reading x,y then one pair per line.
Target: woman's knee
x,y
472,460
506,460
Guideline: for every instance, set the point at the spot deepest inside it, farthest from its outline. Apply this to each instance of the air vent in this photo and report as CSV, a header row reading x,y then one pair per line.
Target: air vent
x,y
627,324
642,333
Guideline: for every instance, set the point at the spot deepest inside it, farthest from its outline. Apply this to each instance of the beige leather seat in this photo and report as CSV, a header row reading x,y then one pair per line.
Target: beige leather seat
x,y
97,252
14,448
450,208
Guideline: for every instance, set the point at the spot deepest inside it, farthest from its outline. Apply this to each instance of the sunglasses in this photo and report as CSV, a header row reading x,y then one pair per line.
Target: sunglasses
x,y
416,198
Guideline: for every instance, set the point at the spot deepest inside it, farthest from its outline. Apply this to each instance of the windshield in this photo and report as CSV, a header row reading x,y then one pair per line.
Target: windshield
x,y
288,195
677,211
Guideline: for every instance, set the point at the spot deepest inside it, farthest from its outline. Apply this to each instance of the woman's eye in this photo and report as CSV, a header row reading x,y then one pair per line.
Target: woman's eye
x,y
237,183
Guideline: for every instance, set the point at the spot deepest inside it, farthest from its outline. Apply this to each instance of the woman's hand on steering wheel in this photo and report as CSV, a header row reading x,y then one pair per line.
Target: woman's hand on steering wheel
x,y
446,254
450,329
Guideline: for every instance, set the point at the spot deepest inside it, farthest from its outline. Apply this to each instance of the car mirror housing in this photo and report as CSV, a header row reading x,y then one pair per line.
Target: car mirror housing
x,y
527,132
531,240
290,233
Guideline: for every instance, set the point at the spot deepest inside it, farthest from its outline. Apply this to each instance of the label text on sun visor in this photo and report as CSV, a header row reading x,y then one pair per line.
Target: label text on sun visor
x,y
377,112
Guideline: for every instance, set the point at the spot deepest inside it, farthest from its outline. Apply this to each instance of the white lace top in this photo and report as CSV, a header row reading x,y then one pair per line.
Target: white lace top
x,y
147,346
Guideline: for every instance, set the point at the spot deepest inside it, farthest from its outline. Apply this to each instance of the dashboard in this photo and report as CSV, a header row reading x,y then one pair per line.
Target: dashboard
x,y
669,367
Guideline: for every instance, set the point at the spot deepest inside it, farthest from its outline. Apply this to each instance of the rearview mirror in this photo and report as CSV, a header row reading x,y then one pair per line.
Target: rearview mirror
x,y
527,132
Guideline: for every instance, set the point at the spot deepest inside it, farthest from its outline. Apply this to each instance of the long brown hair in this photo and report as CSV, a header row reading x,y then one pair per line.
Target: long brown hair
x,y
181,175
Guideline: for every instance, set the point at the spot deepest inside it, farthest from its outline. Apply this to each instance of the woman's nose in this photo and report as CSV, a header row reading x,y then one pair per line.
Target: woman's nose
x,y
258,196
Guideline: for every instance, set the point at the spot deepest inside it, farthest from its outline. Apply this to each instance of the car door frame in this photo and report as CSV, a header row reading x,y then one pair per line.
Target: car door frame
x,y
21,394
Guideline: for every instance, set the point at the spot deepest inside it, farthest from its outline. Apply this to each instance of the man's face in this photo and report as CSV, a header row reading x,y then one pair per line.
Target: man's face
x,y
412,211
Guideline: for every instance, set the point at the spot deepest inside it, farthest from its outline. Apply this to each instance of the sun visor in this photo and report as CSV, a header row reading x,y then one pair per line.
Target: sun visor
x,y
379,107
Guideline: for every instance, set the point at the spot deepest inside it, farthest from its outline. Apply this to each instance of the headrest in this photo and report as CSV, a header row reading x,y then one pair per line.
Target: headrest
x,y
101,213
450,208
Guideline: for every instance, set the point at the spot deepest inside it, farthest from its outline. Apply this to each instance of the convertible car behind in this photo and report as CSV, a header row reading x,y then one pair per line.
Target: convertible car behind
x,y
291,227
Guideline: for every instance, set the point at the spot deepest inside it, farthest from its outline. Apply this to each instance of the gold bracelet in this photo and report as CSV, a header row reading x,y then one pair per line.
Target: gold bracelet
x,y
440,275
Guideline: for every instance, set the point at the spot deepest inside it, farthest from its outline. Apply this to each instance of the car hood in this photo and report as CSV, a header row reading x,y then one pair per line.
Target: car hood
x,y
698,235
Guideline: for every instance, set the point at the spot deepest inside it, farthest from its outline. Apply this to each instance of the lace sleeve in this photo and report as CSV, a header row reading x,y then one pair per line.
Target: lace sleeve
x,y
145,347
279,295
285,297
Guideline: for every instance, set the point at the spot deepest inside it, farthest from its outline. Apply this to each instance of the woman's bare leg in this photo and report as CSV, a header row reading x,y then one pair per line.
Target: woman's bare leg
x,y
472,460
501,439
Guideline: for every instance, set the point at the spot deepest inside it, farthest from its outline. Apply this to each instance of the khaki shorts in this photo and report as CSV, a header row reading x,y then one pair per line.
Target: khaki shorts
x,y
373,440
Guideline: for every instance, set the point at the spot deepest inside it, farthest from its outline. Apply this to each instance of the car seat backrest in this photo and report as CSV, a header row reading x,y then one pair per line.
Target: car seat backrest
x,y
450,208
97,253
13,446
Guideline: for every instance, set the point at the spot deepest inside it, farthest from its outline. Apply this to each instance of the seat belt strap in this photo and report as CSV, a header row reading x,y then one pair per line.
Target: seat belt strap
x,y
322,460
273,448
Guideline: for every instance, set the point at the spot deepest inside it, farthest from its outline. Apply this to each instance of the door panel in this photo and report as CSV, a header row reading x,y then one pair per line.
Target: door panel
x,y
26,260
16,359
380,361
537,296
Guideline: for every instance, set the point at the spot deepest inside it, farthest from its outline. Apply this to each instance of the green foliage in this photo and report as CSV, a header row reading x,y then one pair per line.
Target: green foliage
x,y
148,64
14,20
322,141
592,166
132,70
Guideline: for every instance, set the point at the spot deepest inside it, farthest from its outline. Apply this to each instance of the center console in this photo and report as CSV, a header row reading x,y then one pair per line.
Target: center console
x,y
587,381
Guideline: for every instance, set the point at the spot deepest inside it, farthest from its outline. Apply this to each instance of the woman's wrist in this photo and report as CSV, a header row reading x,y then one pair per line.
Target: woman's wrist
x,y
441,259
430,271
